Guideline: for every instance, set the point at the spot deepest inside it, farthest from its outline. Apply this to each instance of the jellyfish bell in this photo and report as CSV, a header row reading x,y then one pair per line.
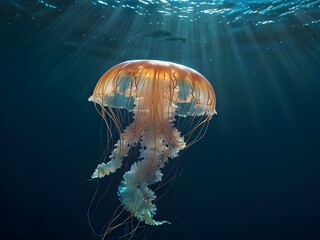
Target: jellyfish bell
x,y
156,93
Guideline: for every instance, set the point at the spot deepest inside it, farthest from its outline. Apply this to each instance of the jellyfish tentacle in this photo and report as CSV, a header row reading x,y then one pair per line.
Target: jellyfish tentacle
x,y
127,139
156,148
134,193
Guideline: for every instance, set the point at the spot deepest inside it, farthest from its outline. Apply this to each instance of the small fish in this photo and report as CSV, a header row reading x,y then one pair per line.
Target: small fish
x,y
176,38
17,16
158,34
70,44
165,35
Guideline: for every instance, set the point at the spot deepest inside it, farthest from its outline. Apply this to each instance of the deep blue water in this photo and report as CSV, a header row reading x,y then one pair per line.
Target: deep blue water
x,y
254,175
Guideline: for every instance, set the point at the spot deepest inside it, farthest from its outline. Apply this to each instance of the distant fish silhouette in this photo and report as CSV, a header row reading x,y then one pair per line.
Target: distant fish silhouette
x,y
99,48
176,38
158,34
166,35
70,44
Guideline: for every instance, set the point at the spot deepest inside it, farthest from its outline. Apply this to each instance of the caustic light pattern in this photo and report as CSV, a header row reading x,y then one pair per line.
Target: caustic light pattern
x,y
156,93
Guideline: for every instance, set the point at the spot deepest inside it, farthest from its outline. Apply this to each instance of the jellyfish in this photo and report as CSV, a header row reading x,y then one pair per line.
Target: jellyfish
x,y
156,94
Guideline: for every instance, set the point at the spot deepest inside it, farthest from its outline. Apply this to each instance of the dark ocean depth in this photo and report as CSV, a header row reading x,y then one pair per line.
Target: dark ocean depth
x,y
253,176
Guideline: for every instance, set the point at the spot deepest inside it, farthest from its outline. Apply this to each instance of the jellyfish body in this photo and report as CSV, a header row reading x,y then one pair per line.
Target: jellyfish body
x,y
155,92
